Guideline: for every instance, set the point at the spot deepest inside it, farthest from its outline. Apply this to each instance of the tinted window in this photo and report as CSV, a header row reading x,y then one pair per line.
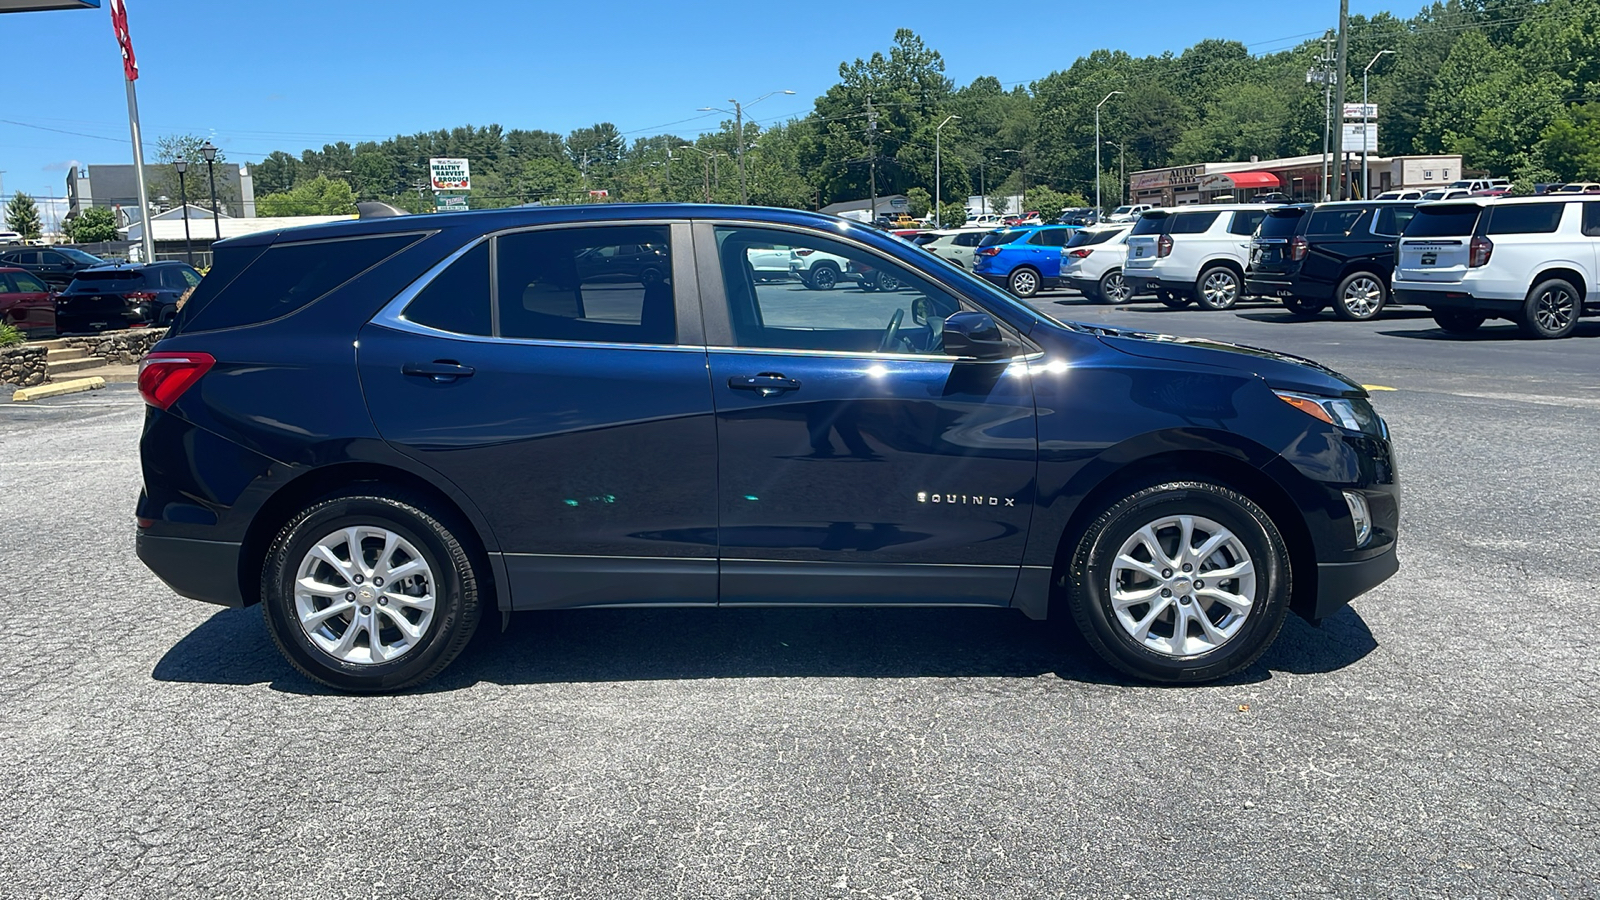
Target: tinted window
x,y
1192,222
999,237
971,239
1150,224
5,285
1526,218
854,317
458,299
28,284
80,256
923,240
1245,221
113,280
1282,223
1089,238
289,277
1591,219
1050,237
190,276
1334,220
1393,219
1443,221
611,284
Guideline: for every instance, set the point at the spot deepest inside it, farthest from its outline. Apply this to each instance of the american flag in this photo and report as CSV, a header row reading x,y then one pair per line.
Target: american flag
x,y
119,22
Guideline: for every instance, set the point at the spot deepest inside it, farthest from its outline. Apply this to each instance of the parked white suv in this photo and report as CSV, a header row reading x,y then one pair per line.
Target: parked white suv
x,y
1092,262
1533,260
1193,253
955,245
1124,214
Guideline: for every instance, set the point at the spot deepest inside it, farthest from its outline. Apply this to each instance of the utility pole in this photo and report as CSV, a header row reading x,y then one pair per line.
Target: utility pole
x,y
1099,208
1323,73
1338,103
872,153
1366,128
938,179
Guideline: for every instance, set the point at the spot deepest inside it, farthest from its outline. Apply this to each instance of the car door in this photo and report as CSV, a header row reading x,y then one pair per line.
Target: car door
x,y
569,403
29,304
857,462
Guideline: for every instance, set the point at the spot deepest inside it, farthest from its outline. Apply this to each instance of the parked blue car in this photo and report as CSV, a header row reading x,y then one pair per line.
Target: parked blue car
x,y
1023,260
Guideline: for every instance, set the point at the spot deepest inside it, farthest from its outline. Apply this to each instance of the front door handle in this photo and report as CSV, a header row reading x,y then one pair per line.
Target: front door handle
x,y
441,371
767,384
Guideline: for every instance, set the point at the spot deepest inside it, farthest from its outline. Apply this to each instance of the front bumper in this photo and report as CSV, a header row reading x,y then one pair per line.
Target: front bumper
x,y
199,570
1340,582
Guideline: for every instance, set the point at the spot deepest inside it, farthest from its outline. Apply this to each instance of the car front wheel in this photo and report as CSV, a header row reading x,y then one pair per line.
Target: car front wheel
x,y
1185,581
370,592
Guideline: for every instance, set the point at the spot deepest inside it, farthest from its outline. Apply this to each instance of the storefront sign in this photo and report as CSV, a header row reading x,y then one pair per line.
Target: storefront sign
x,y
1180,176
450,174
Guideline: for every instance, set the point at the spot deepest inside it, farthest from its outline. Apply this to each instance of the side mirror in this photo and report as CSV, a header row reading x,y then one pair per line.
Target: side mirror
x,y
975,334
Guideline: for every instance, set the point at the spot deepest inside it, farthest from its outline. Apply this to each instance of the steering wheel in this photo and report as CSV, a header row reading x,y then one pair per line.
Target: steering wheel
x,y
891,334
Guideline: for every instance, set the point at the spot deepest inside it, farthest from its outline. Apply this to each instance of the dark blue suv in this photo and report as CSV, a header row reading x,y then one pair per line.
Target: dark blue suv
x,y
1023,260
383,430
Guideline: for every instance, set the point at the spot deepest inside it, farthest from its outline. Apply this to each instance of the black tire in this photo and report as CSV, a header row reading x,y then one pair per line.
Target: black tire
x,y
1089,586
1174,300
1360,297
1303,309
1113,289
1551,310
454,588
1023,281
823,277
1458,322
1218,288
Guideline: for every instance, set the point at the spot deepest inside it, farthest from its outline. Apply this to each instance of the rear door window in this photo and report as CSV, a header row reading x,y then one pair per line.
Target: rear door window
x,y
1591,219
1192,222
969,240
1526,218
28,284
609,284
1455,220
1335,220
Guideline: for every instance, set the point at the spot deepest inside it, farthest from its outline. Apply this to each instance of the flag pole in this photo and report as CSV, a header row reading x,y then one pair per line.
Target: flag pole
x,y
146,226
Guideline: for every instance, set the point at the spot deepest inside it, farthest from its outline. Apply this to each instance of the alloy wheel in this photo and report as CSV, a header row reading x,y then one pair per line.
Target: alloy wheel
x,y
1182,585
1363,297
1024,283
364,595
1554,310
1115,288
1219,290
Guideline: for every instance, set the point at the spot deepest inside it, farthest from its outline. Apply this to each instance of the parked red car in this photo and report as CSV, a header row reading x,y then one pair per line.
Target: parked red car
x,y
26,302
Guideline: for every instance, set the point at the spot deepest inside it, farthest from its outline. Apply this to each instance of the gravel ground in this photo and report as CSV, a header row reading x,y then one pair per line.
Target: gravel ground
x,y
1435,740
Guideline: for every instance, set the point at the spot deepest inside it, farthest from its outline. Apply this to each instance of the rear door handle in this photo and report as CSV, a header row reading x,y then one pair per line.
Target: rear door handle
x,y
441,371
767,384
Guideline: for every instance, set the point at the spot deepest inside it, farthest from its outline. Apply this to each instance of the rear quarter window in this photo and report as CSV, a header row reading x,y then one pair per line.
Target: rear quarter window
x,y
1456,220
1526,218
285,279
1149,224
1282,223
1246,221
999,237
1192,222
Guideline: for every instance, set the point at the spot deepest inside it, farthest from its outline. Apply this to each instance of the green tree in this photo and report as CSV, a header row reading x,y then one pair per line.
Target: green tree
x,y
953,214
1570,147
920,201
194,187
321,196
1487,107
91,226
22,216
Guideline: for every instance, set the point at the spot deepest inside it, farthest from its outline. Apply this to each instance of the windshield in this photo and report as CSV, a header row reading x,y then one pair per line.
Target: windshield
x,y
1122,210
78,256
1436,195
1443,221
922,240
111,280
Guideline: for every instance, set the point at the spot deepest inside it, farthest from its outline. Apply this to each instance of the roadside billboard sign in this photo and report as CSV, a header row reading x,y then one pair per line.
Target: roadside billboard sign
x,y
450,174
1353,111
1361,137
450,202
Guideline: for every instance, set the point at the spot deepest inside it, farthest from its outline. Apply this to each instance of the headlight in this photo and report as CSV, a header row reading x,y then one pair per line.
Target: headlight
x,y
1352,413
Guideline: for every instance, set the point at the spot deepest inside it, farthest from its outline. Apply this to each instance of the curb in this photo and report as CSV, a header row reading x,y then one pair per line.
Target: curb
x,y
57,389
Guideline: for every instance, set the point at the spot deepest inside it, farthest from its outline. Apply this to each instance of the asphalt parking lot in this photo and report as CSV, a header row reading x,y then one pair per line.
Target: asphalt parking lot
x,y
1435,740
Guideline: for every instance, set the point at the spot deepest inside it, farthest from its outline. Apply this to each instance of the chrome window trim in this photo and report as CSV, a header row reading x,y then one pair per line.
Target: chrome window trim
x,y
391,314
870,355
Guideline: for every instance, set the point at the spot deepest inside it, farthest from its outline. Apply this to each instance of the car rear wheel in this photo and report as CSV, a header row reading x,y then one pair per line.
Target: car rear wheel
x,y
823,277
1185,581
1360,297
1113,289
1174,300
1551,310
370,592
1457,322
1301,308
1218,289
1024,282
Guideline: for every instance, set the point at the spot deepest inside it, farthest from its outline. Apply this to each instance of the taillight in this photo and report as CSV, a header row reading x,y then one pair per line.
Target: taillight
x,y
1164,246
804,252
1080,254
989,251
1482,249
164,376
1298,247
139,295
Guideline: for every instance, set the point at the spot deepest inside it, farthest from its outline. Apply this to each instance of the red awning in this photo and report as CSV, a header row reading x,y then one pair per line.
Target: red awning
x,y
1252,179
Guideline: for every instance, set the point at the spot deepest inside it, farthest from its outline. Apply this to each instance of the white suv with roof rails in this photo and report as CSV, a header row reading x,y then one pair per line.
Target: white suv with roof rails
x,y
1533,260
1193,253
1092,262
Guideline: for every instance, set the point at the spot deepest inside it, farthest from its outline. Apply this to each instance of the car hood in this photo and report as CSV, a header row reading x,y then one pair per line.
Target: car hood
x,y
1281,371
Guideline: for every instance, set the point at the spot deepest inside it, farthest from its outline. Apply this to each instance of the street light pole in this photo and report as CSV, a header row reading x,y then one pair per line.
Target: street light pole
x,y
1099,207
209,151
1022,164
182,165
709,157
1366,127
938,180
1122,172
738,134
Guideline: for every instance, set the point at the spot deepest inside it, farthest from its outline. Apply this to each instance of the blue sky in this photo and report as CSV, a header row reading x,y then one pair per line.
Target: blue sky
x,y
290,74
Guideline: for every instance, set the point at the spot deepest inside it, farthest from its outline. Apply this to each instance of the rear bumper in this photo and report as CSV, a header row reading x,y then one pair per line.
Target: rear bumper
x,y
198,570
1456,299
1288,287
1154,284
